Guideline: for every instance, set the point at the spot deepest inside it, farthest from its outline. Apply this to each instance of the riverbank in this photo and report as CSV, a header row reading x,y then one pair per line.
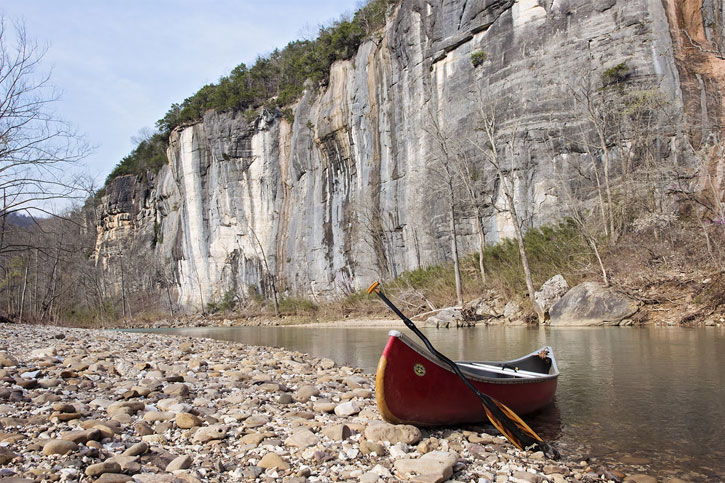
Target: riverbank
x,y
111,406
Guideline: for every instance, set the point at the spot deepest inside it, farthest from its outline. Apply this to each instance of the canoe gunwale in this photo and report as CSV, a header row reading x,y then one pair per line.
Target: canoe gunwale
x,y
476,374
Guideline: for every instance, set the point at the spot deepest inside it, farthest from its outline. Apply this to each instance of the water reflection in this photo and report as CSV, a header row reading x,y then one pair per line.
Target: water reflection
x,y
656,393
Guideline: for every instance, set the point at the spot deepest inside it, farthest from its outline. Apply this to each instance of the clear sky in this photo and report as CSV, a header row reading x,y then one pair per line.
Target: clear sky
x,y
120,64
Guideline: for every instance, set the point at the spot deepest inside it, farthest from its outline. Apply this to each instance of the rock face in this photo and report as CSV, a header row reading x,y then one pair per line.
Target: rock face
x,y
344,194
591,304
551,292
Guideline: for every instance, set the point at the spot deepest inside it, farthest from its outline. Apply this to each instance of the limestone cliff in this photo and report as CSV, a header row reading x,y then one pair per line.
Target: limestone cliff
x,y
344,194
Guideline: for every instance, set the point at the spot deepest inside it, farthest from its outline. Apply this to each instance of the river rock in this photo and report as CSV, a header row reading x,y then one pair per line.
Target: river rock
x,y
338,432
180,390
179,463
7,360
306,392
273,460
437,464
347,408
188,420
59,446
137,449
104,467
210,433
6,456
368,447
640,478
303,438
401,433
113,478
81,436
590,304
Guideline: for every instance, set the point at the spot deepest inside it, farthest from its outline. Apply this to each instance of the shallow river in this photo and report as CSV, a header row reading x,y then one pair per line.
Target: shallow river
x,y
657,393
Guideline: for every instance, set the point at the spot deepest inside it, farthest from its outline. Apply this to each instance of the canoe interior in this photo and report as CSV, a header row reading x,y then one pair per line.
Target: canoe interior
x,y
413,387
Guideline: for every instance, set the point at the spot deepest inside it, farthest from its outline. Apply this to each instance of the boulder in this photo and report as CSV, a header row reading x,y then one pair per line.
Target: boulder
x,y
447,318
590,304
551,292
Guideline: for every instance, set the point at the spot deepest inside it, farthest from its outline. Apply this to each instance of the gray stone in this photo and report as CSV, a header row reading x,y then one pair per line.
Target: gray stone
x,y
306,392
273,460
377,105
179,463
104,467
302,438
401,433
113,478
6,456
209,433
591,304
59,446
438,464
550,292
448,318
337,432
188,420
347,408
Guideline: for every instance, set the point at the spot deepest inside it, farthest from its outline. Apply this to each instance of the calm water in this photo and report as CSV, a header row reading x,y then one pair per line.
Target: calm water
x,y
655,393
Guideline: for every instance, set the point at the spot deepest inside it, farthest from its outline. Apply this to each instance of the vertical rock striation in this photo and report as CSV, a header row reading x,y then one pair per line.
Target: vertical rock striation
x,y
344,194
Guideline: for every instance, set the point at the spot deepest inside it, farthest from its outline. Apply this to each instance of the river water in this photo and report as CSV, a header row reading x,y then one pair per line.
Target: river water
x,y
656,395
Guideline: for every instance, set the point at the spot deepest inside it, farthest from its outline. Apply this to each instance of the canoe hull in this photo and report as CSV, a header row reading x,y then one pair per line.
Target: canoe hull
x,y
412,387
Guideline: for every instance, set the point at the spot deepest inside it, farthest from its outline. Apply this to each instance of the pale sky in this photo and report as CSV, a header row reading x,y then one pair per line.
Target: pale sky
x,y
119,65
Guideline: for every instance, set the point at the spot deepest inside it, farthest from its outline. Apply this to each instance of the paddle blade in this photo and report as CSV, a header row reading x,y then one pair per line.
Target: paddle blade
x,y
516,430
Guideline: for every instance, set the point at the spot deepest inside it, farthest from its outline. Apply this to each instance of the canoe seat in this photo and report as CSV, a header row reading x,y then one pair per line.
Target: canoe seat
x,y
478,368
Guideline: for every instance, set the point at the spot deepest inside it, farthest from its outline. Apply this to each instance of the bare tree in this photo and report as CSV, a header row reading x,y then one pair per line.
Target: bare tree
x,y
501,154
471,189
446,183
36,147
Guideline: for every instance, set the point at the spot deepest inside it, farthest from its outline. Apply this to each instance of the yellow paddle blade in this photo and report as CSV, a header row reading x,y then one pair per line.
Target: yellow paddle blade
x,y
516,420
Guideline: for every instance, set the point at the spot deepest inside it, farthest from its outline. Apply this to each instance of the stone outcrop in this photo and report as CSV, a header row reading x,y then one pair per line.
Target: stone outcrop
x,y
589,303
344,194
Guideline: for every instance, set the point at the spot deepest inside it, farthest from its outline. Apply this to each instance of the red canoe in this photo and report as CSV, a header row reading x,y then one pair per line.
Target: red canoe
x,y
413,387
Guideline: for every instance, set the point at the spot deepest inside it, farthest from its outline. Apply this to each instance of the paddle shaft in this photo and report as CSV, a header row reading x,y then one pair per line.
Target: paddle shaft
x,y
505,420
409,324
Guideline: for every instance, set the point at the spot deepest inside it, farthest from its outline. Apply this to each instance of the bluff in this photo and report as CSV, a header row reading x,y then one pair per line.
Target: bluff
x,y
346,191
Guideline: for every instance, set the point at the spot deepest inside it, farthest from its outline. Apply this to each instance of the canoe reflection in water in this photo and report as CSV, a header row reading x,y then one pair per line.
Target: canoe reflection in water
x,y
413,387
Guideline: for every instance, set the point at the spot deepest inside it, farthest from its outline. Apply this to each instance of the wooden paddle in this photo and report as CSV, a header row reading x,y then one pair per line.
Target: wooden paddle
x,y
503,418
